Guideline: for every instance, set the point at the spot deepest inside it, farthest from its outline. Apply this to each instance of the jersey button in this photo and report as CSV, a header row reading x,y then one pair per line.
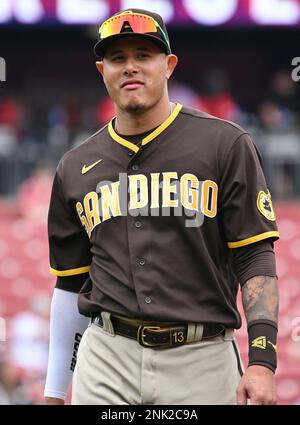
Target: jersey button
x,y
135,167
142,261
138,224
130,153
148,300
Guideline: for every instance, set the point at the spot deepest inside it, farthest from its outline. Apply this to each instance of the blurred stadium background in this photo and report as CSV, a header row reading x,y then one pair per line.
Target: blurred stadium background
x,y
235,62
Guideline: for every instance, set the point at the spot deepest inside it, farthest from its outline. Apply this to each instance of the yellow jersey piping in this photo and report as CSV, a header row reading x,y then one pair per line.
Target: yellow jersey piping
x,y
150,136
120,139
70,272
253,239
163,126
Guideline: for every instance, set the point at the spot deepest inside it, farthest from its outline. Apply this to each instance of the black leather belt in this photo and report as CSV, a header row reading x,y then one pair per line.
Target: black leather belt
x,y
151,334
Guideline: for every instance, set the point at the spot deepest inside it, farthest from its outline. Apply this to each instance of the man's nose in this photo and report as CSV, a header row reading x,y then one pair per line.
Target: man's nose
x,y
131,66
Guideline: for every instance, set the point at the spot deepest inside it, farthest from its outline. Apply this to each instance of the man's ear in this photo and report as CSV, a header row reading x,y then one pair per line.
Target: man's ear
x,y
171,64
99,66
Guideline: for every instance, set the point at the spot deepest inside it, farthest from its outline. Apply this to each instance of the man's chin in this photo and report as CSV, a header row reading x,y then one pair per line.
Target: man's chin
x,y
134,107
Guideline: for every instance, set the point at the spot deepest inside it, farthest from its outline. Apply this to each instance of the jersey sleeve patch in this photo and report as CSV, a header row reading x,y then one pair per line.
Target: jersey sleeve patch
x,y
265,206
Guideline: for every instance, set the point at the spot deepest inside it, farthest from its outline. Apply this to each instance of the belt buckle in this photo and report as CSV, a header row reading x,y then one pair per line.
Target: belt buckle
x,y
141,336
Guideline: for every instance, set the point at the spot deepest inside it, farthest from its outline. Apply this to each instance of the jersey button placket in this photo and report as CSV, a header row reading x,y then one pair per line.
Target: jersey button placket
x,y
138,242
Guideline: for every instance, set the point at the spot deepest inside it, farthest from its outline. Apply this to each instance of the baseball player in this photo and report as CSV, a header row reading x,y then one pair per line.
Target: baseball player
x,y
154,222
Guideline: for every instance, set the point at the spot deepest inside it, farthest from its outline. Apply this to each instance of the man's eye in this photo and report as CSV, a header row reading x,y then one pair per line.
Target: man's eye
x,y
143,55
117,58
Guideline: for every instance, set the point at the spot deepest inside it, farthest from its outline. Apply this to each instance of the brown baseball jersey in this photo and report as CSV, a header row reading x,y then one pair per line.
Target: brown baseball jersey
x,y
145,230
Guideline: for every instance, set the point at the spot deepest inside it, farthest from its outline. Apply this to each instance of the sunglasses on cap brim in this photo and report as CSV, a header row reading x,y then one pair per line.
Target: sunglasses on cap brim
x,y
139,24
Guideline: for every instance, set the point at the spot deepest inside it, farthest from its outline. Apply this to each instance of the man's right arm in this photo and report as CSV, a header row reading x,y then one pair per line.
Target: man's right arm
x,y
66,328
69,253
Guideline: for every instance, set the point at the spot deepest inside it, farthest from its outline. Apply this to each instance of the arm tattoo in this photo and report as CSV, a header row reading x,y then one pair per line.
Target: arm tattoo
x,y
260,298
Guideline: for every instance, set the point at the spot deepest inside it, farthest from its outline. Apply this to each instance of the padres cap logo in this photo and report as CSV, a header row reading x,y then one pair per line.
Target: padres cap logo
x,y
265,206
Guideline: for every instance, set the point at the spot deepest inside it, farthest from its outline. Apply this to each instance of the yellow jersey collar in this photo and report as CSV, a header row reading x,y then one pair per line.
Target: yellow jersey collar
x,y
150,136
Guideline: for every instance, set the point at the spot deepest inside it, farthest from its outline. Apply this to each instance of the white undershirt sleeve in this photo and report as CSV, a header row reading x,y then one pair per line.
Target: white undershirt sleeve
x,y
66,328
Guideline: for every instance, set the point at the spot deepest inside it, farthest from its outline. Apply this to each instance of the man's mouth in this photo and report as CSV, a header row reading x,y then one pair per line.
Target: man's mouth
x,y
132,84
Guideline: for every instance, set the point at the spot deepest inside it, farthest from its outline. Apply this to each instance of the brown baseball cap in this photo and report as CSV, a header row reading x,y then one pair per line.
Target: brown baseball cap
x,y
133,22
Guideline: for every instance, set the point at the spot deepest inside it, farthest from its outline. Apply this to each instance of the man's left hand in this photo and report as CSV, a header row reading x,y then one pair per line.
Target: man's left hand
x,y
258,385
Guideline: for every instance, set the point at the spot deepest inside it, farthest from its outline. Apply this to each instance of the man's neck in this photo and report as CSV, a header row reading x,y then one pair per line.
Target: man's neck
x,y
136,123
